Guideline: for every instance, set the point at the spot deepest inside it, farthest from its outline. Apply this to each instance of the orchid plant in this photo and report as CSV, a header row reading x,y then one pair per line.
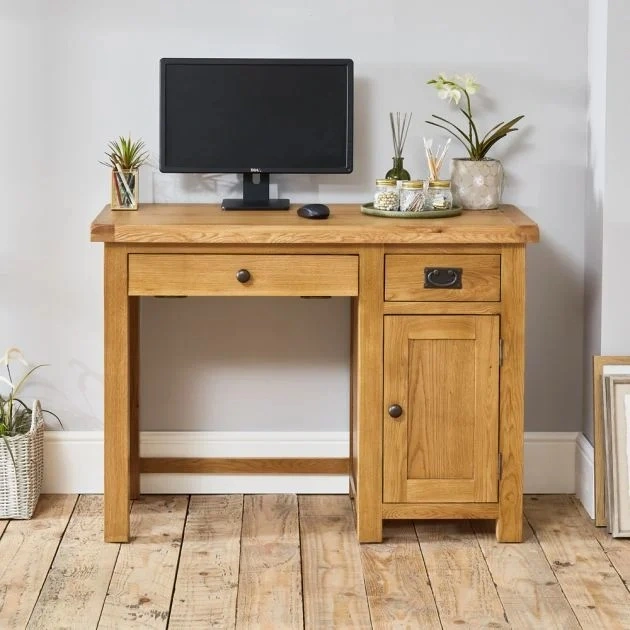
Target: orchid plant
x,y
453,89
15,415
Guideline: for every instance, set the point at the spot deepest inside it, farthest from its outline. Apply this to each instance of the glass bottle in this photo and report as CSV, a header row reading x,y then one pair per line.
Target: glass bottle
x,y
386,195
439,195
412,197
398,170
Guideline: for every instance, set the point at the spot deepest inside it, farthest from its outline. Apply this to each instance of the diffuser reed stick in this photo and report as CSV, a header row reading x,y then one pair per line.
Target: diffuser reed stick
x,y
400,129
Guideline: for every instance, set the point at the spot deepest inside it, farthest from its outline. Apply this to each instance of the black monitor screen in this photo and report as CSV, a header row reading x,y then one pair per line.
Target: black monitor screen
x,y
249,115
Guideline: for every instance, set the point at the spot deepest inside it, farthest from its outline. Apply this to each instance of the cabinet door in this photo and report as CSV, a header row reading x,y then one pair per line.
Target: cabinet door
x,y
442,371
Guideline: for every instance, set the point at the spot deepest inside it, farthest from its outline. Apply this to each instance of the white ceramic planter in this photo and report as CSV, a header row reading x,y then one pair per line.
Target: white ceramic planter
x,y
476,184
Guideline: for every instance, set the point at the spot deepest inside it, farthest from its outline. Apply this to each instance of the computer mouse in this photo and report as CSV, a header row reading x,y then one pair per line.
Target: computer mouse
x,y
314,211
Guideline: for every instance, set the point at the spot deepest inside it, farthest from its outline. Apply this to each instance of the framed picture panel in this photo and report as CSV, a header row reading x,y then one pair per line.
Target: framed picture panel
x,y
610,365
616,398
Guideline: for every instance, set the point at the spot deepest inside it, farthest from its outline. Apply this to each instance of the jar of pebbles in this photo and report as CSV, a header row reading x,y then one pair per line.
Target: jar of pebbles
x,y
386,195
412,197
439,195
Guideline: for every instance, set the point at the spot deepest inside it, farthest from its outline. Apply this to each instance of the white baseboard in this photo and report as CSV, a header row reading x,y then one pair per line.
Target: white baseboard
x,y
550,463
74,461
585,474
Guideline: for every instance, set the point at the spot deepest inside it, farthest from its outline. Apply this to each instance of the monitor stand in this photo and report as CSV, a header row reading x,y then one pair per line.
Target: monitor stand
x,y
255,195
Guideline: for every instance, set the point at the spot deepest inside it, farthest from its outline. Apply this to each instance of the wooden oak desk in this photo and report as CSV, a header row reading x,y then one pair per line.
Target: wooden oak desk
x,y
437,346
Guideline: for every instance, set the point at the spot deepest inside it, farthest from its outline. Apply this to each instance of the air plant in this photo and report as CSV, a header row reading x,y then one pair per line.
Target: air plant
x,y
125,157
126,153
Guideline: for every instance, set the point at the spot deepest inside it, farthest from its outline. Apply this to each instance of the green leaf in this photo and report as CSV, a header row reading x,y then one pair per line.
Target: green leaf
x,y
489,145
499,133
468,148
491,130
472,126
448,122
8,445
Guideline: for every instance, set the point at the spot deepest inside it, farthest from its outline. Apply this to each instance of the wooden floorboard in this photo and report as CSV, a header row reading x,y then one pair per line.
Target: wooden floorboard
x,y
142,583
460,579
76,585
281,561
398,588
616,549
334,588
27,549
591,585
270,588
207,580
527,587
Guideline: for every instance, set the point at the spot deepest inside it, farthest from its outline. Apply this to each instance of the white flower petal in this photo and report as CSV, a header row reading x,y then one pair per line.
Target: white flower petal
x,y
444,93
455,95
13,353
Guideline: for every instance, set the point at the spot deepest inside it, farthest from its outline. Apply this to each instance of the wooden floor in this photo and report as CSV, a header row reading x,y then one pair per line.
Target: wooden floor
x,y
281,561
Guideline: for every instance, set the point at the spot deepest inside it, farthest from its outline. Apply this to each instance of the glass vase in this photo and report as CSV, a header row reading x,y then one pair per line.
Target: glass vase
x,y
398,170
124,189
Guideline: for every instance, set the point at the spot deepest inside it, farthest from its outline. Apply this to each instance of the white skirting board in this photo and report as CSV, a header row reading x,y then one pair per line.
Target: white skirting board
x,y
74,461
585,474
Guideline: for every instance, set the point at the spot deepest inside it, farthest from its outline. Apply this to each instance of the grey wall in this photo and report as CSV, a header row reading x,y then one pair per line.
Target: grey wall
x,y
607,235
84,72
595,185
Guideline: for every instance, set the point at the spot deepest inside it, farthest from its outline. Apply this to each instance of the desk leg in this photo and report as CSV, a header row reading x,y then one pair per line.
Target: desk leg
x,y
367,434
117,406
509,527
134,397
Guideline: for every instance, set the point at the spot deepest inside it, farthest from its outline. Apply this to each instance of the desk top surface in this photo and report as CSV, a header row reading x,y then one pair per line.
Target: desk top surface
x,y
207,223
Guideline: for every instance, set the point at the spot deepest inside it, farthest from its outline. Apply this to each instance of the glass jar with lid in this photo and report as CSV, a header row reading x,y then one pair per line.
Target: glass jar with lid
x,y
412,197
386,196
439,195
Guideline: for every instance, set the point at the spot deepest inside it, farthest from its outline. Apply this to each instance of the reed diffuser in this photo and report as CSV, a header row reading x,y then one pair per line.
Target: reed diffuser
x,y
400,129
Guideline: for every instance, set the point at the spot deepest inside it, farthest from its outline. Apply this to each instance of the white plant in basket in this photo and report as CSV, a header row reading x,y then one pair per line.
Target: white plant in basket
x,y
21,446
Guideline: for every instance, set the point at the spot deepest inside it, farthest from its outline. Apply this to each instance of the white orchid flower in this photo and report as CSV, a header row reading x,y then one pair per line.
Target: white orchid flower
x,y
450,92
13,353
467,82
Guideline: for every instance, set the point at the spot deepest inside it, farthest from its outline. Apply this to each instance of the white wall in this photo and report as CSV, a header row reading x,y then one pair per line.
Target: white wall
x,y
79,73
595,192
616,228
607,234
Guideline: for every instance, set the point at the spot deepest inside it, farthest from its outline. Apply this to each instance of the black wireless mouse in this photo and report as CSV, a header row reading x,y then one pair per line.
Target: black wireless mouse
x,y
314,211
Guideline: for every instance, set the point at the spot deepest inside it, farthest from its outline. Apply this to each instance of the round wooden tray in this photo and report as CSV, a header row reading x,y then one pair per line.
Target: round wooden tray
x,y
368,208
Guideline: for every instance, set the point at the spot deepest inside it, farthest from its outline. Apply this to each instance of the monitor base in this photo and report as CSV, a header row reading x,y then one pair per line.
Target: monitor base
x,y
263,204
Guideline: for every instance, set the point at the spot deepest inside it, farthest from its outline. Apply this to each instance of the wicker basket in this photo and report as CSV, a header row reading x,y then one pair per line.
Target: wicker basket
x,y
21,474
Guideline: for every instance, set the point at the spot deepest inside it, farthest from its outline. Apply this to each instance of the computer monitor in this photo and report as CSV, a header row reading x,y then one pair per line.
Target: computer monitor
x,y
256,117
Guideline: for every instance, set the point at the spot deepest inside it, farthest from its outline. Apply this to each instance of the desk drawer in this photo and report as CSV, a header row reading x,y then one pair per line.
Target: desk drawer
x,y
464,278
216,274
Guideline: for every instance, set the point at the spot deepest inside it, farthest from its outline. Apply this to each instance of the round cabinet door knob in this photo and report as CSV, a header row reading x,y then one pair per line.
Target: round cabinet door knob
x,y
395,411
242,275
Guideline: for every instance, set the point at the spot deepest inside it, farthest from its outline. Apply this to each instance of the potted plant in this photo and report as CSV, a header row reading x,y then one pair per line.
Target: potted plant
x,y
125,157
476,181
21,442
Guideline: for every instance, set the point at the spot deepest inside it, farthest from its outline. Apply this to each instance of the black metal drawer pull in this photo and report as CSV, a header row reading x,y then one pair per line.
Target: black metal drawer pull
x,y
395,411
243,276
442,277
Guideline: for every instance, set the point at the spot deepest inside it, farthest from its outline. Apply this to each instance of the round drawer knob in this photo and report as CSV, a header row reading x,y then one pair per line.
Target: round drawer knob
x,y
243,276
395,411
